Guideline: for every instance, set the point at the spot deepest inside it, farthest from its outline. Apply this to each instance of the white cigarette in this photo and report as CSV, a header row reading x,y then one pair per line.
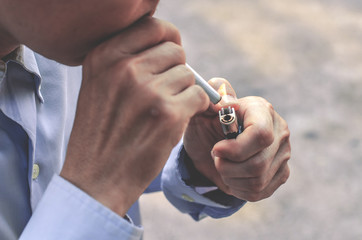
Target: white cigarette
x,y
210,91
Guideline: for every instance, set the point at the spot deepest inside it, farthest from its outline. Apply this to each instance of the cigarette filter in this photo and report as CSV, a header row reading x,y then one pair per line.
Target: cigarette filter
x,y
229,122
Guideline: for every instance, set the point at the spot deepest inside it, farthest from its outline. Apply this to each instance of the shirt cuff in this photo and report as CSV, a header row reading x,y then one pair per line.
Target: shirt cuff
x,y
66,212
186,198
202,185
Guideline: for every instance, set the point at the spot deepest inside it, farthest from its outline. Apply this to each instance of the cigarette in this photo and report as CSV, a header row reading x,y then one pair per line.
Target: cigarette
x,y
210,91
229,122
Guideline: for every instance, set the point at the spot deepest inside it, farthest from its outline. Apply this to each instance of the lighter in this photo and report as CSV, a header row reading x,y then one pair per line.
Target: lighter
x,y
229,122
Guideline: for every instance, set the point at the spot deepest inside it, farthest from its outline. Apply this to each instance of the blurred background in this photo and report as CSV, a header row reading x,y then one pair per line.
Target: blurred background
x,y
305,57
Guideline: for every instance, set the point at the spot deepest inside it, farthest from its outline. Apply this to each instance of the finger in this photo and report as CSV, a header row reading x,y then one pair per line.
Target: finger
x,y
192,100
175,80
226,91
142,35
248,176
279,179
258,134
253,167
138,37
266,161
161,57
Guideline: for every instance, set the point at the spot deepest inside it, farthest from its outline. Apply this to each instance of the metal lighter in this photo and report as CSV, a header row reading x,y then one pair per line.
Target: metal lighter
x,y
229,122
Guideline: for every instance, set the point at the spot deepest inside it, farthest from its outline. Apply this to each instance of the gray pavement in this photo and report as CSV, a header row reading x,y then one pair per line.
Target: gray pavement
x,y
305,57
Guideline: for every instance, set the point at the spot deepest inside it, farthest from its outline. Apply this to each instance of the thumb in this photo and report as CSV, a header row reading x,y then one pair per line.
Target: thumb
x,y
226,91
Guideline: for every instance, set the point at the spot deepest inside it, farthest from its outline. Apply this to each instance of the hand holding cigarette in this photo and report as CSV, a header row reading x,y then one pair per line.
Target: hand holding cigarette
x,y
133,108
254,164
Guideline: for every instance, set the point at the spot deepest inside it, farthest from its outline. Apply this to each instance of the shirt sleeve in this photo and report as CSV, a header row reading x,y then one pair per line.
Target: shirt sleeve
x,y
66,212
186,198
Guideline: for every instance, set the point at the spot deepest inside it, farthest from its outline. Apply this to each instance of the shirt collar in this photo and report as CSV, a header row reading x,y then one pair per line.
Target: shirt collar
x,y
17,56
26,58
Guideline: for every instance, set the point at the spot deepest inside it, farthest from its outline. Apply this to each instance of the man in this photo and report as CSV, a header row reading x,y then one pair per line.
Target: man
x,y
73,165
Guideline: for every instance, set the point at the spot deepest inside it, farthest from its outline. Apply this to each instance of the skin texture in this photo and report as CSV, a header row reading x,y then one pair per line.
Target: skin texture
x,y
142,96
137,100
67,30
250,167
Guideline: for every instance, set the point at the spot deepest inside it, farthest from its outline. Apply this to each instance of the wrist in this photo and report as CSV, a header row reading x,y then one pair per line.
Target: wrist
x,y
193,177
202,185
114,198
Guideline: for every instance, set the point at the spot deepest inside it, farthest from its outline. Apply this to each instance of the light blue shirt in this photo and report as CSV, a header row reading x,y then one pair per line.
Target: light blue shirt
x,y
38,98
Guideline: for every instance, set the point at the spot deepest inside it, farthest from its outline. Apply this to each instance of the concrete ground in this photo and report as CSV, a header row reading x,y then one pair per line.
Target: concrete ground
x,y
305,57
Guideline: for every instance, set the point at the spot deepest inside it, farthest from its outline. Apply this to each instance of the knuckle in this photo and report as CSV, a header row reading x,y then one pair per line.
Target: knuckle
x,y
173,117
158,104
259,167
167,121
174,31
285,175
198,91
200,96
264,135
270,107
155,25
165,29
286,151
288,154
285,131
131,67
127,70
266,104
187,75
176,51
258,185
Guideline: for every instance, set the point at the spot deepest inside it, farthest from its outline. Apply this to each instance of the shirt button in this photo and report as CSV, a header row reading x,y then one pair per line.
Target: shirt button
x,y
36,171
187,198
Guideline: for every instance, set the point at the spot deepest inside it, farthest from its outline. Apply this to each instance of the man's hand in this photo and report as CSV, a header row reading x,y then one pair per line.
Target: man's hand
x,y
250,167
136,100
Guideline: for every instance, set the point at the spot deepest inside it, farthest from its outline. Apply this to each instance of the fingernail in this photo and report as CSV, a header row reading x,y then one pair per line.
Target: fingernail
x,y
228,99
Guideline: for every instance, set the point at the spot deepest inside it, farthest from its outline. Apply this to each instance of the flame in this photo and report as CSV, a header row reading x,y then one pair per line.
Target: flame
x,y
222,90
